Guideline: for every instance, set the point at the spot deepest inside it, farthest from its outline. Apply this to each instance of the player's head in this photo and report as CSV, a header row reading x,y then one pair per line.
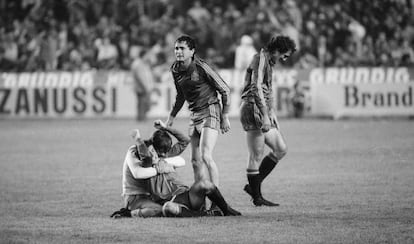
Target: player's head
x,y
161,141
281,47
184,48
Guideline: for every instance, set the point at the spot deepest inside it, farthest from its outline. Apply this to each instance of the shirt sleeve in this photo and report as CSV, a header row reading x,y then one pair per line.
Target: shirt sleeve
x,y
143,153
179,100
258,81
182,143
135,165
218,82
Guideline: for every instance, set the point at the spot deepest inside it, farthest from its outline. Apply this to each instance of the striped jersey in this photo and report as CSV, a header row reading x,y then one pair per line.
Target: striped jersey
x,y
258,81
198,85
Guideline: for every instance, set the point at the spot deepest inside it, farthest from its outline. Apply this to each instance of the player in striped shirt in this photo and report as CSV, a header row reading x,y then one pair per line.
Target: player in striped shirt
x,y
198,84
258,117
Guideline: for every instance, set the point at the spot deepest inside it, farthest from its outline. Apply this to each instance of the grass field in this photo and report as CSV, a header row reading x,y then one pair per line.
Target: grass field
x,y
346,181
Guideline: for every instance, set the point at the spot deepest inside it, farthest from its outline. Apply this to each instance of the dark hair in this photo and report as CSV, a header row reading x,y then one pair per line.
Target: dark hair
x,y
282,44
188,40
161,141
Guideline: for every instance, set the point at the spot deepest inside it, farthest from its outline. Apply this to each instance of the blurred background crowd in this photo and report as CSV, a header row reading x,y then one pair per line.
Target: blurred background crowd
x,y
110,34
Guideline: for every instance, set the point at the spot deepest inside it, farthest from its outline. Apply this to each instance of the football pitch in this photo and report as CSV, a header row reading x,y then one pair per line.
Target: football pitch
x,y
344,181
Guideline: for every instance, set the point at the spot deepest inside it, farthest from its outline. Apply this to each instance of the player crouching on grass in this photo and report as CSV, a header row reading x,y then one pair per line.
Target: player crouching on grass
x,y
165,195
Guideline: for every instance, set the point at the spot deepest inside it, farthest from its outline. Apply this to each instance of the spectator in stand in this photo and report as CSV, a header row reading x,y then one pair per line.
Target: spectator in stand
x,y
244,53
5,64
297,99
124,48
407,54
107,53
10,48
144,83
198,13
48,50
217,25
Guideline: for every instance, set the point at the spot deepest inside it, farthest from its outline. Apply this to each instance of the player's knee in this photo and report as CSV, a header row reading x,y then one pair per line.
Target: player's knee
x,y
198,167
205,185
280,152
207,159
254,158
202,186
147,212
195,162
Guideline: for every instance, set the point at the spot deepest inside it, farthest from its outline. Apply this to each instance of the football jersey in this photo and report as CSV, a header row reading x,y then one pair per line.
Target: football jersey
x,y
198,85
259,74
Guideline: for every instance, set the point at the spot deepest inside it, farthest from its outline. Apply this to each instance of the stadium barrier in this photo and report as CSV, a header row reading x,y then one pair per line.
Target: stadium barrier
x,y
335,92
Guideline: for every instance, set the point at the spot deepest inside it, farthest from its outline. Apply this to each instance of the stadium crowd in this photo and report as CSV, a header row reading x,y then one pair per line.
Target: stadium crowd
x,y
110,34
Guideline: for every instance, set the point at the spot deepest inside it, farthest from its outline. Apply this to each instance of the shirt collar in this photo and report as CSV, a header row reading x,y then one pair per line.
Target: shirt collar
x,y
179,68
268,57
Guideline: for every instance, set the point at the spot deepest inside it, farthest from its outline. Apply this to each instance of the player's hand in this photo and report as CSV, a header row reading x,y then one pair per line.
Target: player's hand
x,y
273,119
158,124
225,123
169,121
266,124
163,167
133,150
136,135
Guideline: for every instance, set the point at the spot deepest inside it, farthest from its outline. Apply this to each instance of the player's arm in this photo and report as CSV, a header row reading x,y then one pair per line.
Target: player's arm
x,y
182,140
272,109
138,171
261,69
176,161
221,86
142,151
134,165
260,100
178,104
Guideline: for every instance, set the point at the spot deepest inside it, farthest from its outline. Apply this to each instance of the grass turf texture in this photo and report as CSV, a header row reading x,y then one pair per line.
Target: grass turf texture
x,y
347,181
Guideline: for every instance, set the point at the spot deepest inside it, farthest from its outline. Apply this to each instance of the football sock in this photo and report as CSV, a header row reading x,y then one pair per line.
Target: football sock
x,y
216,197
255,182
268,164
213,205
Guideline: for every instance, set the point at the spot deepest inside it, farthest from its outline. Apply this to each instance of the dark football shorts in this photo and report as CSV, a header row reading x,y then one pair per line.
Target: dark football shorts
x,y
140,201
209,117
184,199
250,116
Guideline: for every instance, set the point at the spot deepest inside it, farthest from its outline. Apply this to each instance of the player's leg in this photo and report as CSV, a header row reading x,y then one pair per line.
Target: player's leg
x,y
209,134
276,142
199,190
180,206
138,206
144,206
251,119
148,211
199,168
255,144
207,143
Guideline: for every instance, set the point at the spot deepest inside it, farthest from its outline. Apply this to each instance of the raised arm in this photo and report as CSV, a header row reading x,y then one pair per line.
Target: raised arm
x,y
135,165
182,140
164,166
